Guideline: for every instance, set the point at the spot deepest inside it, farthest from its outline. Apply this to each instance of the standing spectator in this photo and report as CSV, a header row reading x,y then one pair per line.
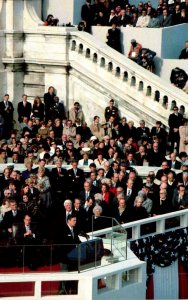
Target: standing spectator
x,y
142,132
176,15
24,109
111,110
183,132
76,113
57,109
87,15
38,108
175,121
6,111
184,52
113,38
75,179
48,102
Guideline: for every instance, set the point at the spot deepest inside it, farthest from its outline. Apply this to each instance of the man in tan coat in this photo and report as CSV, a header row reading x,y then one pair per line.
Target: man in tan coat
x,y
70,130
76,113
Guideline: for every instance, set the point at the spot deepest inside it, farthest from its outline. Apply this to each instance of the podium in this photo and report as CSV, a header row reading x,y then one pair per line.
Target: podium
x,y
87,254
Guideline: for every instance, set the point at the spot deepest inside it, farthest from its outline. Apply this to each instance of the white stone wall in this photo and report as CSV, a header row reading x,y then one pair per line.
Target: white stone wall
x,y
65,10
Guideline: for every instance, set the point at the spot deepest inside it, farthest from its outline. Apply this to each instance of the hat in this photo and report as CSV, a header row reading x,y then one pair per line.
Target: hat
x,y
133,41
93,138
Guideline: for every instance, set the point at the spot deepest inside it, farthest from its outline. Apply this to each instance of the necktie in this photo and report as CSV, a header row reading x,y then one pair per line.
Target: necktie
x,y
75,172
14,213
72,232
129,192
59,171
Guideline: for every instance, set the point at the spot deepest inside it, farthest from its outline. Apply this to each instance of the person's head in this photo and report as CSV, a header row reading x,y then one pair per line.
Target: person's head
x,y
13,205
173,156
164,179
25,198
41,172
51,90
155,146
129,183
97,210
164,165
24,97
2,153
29,165
100,172
165,12
114,25
138,201
181,190
122,202
162,193
186,44
76,105
37,101
69,123
68,205
77,203
27,220
7,193
170,176
87,186
133,43
115,177
74,164
93,176
6,172
71,220
6,97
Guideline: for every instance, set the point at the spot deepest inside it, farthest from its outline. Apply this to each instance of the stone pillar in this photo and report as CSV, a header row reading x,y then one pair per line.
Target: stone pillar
x,y
13,54
65,10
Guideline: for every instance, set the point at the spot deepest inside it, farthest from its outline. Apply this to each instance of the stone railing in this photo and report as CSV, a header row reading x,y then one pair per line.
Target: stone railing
x,y
160,224
139,84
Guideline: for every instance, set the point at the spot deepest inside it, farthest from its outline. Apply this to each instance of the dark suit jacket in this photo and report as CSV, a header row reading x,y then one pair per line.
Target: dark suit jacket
x,y
183,54
75,183
21,230
7,114
23,111
176,166
10,220
58,181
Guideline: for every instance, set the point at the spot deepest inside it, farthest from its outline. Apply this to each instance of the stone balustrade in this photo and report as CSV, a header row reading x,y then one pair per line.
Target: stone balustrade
x,y
147,88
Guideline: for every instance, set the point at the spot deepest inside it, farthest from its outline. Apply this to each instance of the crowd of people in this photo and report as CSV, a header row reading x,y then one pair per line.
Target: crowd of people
x,y
108,186
121,12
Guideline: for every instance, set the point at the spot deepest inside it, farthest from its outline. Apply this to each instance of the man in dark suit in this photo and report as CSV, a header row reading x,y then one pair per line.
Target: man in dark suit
x,y
165,19
113,37
173,163
28,234
130,193
24,109
87,15
123,19
88,191
80,214
184,52
6,110
180,198
159,132
75,180
143,131
58,180
155,156
175,121
12,217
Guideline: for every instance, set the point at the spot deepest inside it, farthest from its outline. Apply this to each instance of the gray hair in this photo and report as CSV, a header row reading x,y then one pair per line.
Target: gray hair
x,y
68,201
97,207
